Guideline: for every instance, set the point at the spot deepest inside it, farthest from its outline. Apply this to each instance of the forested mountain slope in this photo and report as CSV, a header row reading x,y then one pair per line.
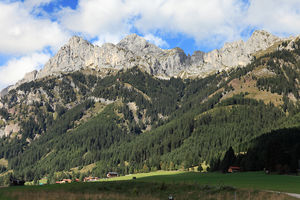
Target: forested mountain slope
x,y
130,121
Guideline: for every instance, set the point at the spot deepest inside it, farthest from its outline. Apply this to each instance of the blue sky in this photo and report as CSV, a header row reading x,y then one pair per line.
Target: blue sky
x,y
33,30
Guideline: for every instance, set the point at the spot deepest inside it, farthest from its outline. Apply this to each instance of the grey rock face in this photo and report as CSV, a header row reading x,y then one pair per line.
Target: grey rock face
x,y
173,62
239,53
134,50
11,128
5,91
197,58
30,76
139,46
112,56
71,57
260,40
155,60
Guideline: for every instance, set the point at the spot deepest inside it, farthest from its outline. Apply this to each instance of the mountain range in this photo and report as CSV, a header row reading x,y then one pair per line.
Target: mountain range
x,y
134,50
134,107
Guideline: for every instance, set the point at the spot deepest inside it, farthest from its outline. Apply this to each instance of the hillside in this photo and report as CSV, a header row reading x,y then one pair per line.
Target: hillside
x,y
130,120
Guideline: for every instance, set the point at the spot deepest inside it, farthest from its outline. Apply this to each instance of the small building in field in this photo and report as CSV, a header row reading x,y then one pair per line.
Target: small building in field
x,y
67,180
233,169
64,181
91,179
111,174
60,182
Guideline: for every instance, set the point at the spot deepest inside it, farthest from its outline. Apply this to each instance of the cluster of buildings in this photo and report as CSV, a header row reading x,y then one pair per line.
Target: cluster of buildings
x,y
89,178
111,174
67,180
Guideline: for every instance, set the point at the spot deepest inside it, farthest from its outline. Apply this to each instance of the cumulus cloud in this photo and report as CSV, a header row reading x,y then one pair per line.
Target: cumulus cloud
x,y
156,40
98,18
15,69
207,22
211,22
26,29
109,37
21,33
276,16
199,19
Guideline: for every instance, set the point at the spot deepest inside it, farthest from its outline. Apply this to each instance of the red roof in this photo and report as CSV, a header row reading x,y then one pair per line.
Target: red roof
x,y
234,167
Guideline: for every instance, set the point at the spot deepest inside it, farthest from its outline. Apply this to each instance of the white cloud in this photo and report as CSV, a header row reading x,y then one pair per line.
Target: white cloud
x,y
22,33
156,40
276,16
211,22
208,22
26,29
98,18
199,19
111,38
15,69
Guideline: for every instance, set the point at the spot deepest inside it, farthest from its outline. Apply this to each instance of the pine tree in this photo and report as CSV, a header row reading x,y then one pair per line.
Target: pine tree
x,y
228,160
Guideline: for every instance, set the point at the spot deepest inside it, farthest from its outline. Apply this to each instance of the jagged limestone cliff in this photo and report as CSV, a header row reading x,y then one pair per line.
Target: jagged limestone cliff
x,y
134,50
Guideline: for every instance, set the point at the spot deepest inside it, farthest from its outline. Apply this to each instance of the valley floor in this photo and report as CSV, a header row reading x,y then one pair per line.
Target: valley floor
x,y
159,185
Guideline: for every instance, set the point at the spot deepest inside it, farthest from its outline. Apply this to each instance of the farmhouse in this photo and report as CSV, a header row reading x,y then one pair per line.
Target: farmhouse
x,y
112,174
59,182
91,179
232,169
67,180
64,181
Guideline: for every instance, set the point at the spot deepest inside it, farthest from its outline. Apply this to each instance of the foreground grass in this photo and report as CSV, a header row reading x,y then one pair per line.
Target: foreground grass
x,y
158,185
134,190
245,180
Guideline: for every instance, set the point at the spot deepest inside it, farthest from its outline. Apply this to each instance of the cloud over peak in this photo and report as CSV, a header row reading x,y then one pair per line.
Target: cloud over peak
x,y
29,28
21,33
16,68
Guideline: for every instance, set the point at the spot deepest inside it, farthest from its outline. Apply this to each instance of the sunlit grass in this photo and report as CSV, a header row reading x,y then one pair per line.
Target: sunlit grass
x,y
158,185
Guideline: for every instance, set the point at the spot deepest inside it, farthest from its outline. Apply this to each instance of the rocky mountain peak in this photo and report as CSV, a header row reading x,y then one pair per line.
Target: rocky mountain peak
x,y
70,57
139,45
135,50
260,40
238,53
77,42
131,38
262,33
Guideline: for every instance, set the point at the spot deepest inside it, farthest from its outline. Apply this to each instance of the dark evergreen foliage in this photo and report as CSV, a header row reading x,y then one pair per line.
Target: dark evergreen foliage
x,y
191,121
4,113
228,160
277,151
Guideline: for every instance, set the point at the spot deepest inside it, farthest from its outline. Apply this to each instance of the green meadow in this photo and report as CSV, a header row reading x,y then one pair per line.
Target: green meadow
x,y
159,185
249,180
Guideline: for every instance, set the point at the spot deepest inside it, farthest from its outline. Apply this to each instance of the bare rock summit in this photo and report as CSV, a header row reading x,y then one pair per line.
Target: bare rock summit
x,y
134,50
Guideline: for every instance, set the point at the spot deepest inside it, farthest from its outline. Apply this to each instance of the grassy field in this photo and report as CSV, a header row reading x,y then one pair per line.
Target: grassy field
x,y
158,185
249,180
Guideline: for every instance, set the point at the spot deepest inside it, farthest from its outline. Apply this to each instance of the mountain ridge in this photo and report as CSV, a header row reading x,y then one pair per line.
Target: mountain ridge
x,y
131,121
134,50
